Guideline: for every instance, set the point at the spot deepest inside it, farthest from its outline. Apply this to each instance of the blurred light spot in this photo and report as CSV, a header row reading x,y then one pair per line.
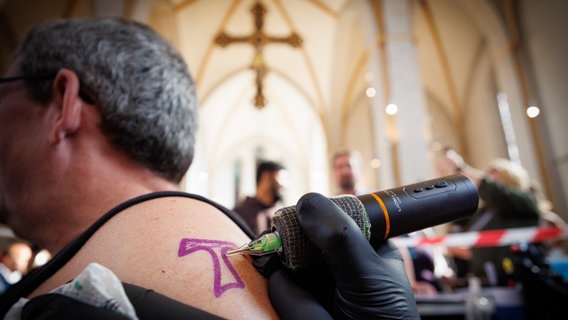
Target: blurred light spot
x,y
391,109
533,111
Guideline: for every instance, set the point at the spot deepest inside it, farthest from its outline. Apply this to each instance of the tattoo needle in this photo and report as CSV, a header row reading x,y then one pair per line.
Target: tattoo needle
x,y
265,244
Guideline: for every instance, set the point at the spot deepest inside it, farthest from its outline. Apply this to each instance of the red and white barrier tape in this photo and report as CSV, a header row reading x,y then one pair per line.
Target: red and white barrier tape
x,y
490,238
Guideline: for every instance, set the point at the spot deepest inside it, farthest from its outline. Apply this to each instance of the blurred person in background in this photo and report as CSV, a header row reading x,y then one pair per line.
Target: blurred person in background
x,y
506,201
14,263
258,210
347,170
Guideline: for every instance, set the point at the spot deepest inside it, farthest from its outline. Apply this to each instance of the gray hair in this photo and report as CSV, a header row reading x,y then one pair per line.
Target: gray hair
x,y
139,82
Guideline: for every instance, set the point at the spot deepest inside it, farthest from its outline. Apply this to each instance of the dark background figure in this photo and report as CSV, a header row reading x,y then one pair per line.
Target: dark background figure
x,y
14,263
257,210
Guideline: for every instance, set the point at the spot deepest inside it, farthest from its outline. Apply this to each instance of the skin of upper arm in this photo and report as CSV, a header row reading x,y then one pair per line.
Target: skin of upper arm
x,y
175,246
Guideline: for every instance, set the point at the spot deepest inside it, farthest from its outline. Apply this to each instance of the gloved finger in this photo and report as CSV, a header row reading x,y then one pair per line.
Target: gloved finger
x,y
348,253
292,302
267,264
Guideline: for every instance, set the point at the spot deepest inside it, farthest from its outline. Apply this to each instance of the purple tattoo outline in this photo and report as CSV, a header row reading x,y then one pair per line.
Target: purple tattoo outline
x,y
214,247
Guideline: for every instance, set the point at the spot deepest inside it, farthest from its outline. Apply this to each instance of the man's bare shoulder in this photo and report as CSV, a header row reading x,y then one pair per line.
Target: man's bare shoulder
x,y
175,246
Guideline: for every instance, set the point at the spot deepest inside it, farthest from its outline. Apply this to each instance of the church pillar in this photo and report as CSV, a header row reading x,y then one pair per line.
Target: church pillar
x,y
409,131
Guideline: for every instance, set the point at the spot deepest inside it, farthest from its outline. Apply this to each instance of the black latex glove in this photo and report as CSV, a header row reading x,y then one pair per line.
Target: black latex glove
x,y
353,281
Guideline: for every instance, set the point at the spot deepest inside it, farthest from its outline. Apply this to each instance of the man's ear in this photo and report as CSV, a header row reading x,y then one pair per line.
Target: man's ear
x,y
68,103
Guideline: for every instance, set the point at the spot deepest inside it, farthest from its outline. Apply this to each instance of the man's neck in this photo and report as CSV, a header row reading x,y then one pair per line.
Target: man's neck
x,y
74,205
267,198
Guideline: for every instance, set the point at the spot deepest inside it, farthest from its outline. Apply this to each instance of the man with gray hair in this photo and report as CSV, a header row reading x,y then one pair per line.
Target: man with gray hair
x,y
97,128
99,115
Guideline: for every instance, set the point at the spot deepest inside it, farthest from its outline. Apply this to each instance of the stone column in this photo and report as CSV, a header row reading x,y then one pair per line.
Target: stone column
x,y
410,136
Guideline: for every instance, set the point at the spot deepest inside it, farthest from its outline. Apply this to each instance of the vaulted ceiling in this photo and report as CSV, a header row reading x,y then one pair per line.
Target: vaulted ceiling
x,y
316,92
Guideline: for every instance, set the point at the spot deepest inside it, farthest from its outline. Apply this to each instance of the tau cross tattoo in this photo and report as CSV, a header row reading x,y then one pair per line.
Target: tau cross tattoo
x,y
258,39
215,248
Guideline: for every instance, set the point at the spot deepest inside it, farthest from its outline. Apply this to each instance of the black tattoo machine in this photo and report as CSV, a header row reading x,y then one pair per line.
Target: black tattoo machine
x,y
380,215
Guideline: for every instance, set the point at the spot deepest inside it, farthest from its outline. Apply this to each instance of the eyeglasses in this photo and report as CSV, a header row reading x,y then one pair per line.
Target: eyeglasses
x,y
84,95
25,78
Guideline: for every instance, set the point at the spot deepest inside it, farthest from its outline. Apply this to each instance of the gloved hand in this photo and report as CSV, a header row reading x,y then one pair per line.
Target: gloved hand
x,y
353,281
